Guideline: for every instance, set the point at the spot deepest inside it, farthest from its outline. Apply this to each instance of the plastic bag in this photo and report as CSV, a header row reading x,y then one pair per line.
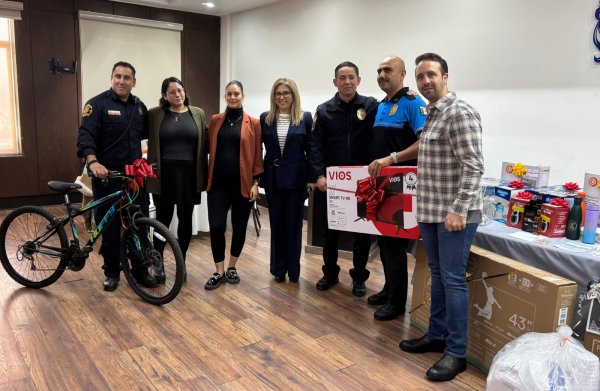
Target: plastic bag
x,y
544,362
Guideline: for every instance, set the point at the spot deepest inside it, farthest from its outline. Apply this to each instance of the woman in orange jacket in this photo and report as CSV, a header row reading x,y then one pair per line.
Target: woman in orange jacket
x,y
234,169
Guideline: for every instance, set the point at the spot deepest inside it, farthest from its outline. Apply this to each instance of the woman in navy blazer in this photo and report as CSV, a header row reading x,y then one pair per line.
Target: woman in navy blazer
x,y
285,131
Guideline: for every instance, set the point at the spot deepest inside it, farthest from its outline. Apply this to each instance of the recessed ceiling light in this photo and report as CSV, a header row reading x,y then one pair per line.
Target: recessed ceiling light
x,y
208,5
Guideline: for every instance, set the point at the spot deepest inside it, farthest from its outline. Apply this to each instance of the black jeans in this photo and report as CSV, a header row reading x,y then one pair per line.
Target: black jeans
x,y
219,202
164,214
392,252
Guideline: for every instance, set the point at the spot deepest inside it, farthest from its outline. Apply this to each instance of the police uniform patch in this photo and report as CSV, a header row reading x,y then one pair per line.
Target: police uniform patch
x,y
393,110
87,110
423,110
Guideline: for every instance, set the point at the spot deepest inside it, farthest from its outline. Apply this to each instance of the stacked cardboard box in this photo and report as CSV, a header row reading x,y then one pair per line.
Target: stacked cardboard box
x,y
510,300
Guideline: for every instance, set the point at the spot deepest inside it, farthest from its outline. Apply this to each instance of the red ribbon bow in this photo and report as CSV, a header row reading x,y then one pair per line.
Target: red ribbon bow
x,y
368,194
559,202
516,184
140,169
525,195
571,186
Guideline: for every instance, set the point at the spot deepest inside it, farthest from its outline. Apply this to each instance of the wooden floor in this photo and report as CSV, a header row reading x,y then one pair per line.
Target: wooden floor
x,y
256,335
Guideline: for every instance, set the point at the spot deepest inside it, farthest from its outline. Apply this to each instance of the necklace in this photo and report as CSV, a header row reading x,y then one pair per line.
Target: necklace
x,y
177,114
231,123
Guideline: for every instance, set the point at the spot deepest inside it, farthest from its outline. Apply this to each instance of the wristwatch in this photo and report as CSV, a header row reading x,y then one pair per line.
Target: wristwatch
x,y
394,158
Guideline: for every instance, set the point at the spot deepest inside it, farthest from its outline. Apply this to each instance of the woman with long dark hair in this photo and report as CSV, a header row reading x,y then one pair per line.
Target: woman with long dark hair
x,y
176,142
234,170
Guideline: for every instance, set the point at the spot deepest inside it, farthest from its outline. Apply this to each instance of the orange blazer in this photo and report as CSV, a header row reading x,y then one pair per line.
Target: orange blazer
x,y
251,156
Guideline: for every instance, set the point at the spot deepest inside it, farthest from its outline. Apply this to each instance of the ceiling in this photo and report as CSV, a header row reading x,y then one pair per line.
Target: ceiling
x,y
221,8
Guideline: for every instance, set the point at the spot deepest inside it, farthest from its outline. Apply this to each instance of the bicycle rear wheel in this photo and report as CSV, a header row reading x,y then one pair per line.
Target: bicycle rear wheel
x,y
32,251
151,248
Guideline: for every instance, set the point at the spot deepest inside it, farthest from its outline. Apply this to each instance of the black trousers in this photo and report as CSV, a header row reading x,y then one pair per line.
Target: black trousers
x,y
360,248
111,237
164,214
392,252
219,202
286,211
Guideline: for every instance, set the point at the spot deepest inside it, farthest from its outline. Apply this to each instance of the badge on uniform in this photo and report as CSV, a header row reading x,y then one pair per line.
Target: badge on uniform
x,y
393,109
423,110
87,110
114,112
361,114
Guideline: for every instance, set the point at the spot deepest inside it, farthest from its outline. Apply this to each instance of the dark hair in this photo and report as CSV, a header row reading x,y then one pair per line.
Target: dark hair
x,y
163,90
237,83
123,64
433,57
345,64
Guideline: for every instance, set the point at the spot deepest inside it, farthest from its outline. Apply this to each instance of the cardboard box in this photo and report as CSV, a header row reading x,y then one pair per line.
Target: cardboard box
x,y
553,221
536,176
502,196
384,206
513,300
591,189
591,340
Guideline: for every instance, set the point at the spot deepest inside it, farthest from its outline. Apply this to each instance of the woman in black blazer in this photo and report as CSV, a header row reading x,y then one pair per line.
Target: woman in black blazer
x,y
285,131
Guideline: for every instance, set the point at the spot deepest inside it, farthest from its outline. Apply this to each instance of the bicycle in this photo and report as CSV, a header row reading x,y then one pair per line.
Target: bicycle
x,y
35,250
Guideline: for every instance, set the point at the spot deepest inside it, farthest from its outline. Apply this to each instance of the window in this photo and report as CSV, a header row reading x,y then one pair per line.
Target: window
x,y
10,134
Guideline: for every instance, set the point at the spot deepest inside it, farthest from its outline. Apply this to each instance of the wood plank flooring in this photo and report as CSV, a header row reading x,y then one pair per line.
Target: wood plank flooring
x,y
256,335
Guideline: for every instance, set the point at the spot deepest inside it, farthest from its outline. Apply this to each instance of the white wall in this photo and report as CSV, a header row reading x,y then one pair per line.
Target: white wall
x,y
527,66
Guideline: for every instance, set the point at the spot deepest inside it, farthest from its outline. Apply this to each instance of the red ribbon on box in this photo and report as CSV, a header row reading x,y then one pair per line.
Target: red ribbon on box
x,y
368,194
571,186
525,195
140,169
559,202
516,184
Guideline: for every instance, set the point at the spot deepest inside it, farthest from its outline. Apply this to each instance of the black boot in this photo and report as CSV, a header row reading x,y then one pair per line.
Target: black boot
x,y
358,281
446,368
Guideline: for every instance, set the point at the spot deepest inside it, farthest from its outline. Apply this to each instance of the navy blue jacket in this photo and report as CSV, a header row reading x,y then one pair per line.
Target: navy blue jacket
x,y
342,134
289,171
104,120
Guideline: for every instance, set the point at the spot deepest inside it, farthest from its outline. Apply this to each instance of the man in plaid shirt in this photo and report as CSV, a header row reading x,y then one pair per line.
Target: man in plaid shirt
x,y
449,203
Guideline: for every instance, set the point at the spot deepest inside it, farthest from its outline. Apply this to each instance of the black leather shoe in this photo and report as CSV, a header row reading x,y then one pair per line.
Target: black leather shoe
x,y
146,280
327,282
446,368
358,288
379,298
423,345
280,278
388,312
111,283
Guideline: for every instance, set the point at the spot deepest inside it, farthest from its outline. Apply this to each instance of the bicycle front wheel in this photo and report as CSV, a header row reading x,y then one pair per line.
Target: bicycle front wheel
x,y
151,249
32,249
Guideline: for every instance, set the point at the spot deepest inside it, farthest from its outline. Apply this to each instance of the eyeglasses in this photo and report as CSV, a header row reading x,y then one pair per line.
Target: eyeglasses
x,y
175,92
284,94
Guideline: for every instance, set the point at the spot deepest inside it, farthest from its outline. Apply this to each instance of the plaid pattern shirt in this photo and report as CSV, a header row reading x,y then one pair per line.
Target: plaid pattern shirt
x,y
450,162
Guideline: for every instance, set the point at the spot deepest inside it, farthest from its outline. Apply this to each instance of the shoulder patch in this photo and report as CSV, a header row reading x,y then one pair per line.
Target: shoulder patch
x,y
423,110
87,110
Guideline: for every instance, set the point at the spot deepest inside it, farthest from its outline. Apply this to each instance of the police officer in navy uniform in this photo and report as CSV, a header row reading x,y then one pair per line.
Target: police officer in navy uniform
x,y
341,136
112,127
400,118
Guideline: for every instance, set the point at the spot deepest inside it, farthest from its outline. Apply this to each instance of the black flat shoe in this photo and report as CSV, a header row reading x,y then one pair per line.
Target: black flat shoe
x,y
214,281
446,368
280,278
327,282
423,345
388,312
231,276
379,298
111,283
358,288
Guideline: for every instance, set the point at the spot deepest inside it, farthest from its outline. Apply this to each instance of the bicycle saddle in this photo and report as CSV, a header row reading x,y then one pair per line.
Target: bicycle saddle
x,y
63,187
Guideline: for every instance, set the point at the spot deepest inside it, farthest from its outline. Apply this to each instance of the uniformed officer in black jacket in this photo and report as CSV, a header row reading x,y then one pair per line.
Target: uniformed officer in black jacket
x,y
112,127
341,136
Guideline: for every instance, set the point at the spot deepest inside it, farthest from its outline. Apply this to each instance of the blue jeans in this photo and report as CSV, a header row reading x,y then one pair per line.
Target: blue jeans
x,y
447,253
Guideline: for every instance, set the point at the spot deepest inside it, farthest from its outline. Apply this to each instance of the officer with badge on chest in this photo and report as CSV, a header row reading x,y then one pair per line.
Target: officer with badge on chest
x,y
399,121
112,127
341,136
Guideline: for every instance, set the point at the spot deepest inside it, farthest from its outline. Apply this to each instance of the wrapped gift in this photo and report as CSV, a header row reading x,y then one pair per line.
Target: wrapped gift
x,y
535,176
553,219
